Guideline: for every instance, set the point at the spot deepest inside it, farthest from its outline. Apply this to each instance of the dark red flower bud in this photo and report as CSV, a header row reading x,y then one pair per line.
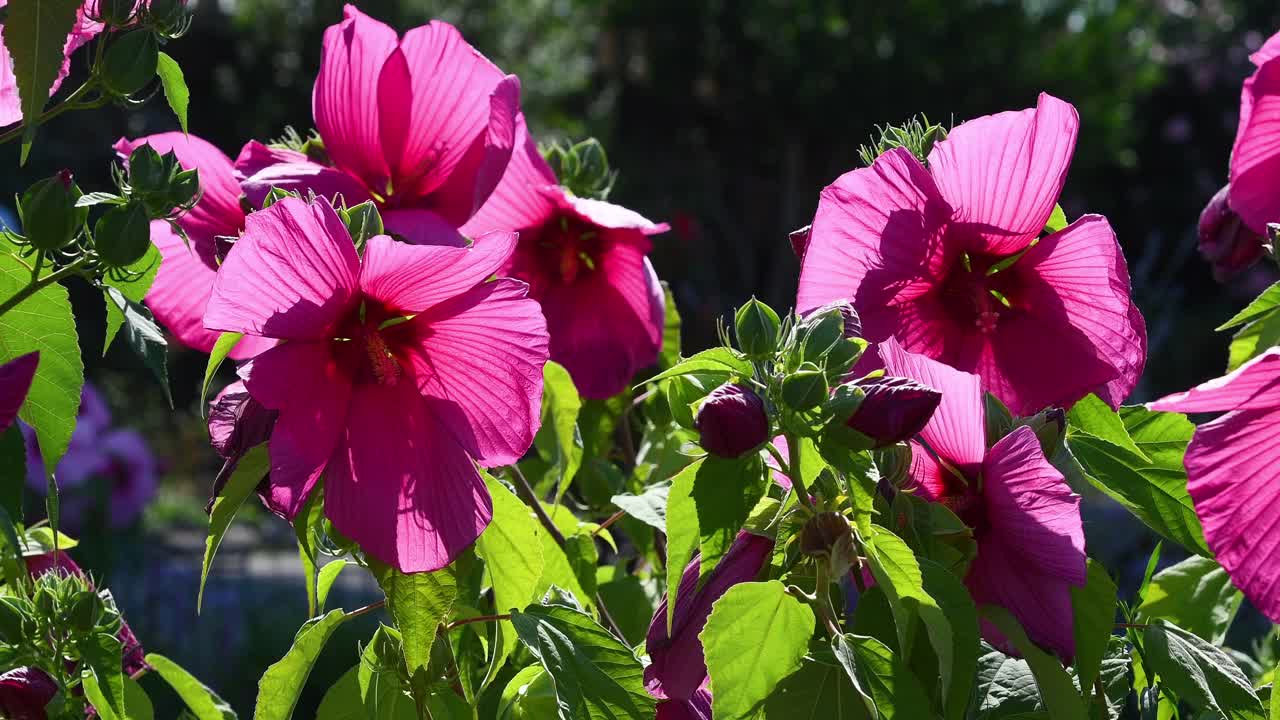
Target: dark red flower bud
x,y
894,409
1225,241
24,692
237,424
732,421
800,241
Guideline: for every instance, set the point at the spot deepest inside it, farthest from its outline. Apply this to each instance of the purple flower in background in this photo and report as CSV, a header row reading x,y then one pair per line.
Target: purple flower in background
x,y
100,461
24,692
679,670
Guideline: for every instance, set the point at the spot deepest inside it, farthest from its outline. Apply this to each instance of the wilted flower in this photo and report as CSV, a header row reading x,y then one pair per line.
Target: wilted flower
x,y
679,669
15,380
894,409
949,260
403,369
732,421
1225,240
1233,475
24,692
1024,516
578,253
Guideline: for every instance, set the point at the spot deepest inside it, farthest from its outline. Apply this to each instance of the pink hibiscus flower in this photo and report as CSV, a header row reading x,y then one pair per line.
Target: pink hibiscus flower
x,y
1025,518
401,371
181,288
1255,156
1233,476
922,252
585,262
82,32
424,125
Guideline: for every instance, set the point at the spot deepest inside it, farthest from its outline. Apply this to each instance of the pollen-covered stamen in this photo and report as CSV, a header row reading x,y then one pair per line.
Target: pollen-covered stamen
x,y
384,365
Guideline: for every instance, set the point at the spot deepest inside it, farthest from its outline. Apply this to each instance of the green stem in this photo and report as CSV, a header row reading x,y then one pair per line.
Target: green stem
x,y
36,286
70,103
796,474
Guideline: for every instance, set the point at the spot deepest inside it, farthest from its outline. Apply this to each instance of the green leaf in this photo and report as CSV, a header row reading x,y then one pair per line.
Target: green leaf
x,y
670,353
897,571
418,603
819,690
1096,418
1114,676
1196,594
957,606
137,706
512,552
103,674
35,33
226,342
1057,691
1258,335
718,360
1094,609
307,525
144,337
10,548
756,635
649,507
43,322
1275,696
135,289
175,87
529,694
725,492
281,684
203,702
896,692
1261,306
682,531
558,440
1004,686
1057,220
41,541
13,470
1201,675
325,579
1155,491
595,675
381,691
248,473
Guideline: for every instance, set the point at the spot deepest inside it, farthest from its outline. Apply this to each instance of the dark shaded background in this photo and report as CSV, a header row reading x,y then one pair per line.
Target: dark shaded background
x,y
725,118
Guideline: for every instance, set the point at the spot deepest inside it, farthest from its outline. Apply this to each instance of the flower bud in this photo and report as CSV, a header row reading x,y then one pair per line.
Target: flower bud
x,y
362,221
122,235
1225,241
894,464
757,328
820,332
1049,426
86,608
24,693
732,421
50,218
822,532
130,62
237,424
852,323
800,241
894,409
804,389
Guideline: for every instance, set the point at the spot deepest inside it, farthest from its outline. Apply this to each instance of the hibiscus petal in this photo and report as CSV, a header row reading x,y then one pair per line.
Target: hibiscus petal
x,y
311,393
15,380
1003,173
1041,603
956,430
516,203
603,214
1270,49
345,100
180,292
876,236
697,707
401,485
478,358
261,168
1231,476
411,278
1255,157
292,275
423,227
1254,385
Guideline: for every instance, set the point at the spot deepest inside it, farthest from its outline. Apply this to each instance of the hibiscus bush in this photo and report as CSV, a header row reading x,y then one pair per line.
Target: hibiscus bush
x,y
437,350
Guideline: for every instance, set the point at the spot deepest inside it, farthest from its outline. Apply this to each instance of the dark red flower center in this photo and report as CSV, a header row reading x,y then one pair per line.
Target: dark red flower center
x,y
368,345
980,290
568,249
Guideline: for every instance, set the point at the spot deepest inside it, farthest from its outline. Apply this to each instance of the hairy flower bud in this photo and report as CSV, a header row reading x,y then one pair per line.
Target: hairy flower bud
x,y
757,325
50,218
24,693
732,421
894,409
122,235
1225,241
130,62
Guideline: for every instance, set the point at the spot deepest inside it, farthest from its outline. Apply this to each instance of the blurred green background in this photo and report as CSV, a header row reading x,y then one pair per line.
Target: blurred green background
x,y
725,118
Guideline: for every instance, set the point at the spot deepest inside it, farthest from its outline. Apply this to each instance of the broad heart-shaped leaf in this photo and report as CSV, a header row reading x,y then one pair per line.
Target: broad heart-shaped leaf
x,y
101,654
897,571
895,692
248,473
1156,490
511,548
144,337
649,507
1262,306
957,606
134,289
1115,678
175,87
281,684
418,602
1094,613
1004,686
1057,690
1200,674
1195,595
137,706
1254,339
35,33
595,675
819,690
717,360
670,353
43,322
682,531
200,700
558,440
1094,417
325,579
757,635
222,347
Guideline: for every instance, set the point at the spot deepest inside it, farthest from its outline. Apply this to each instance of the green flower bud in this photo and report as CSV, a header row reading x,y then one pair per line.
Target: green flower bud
x,y
757,328
130,62
804,389
147,169
86,608
50,218
821,332
122,235
363,221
